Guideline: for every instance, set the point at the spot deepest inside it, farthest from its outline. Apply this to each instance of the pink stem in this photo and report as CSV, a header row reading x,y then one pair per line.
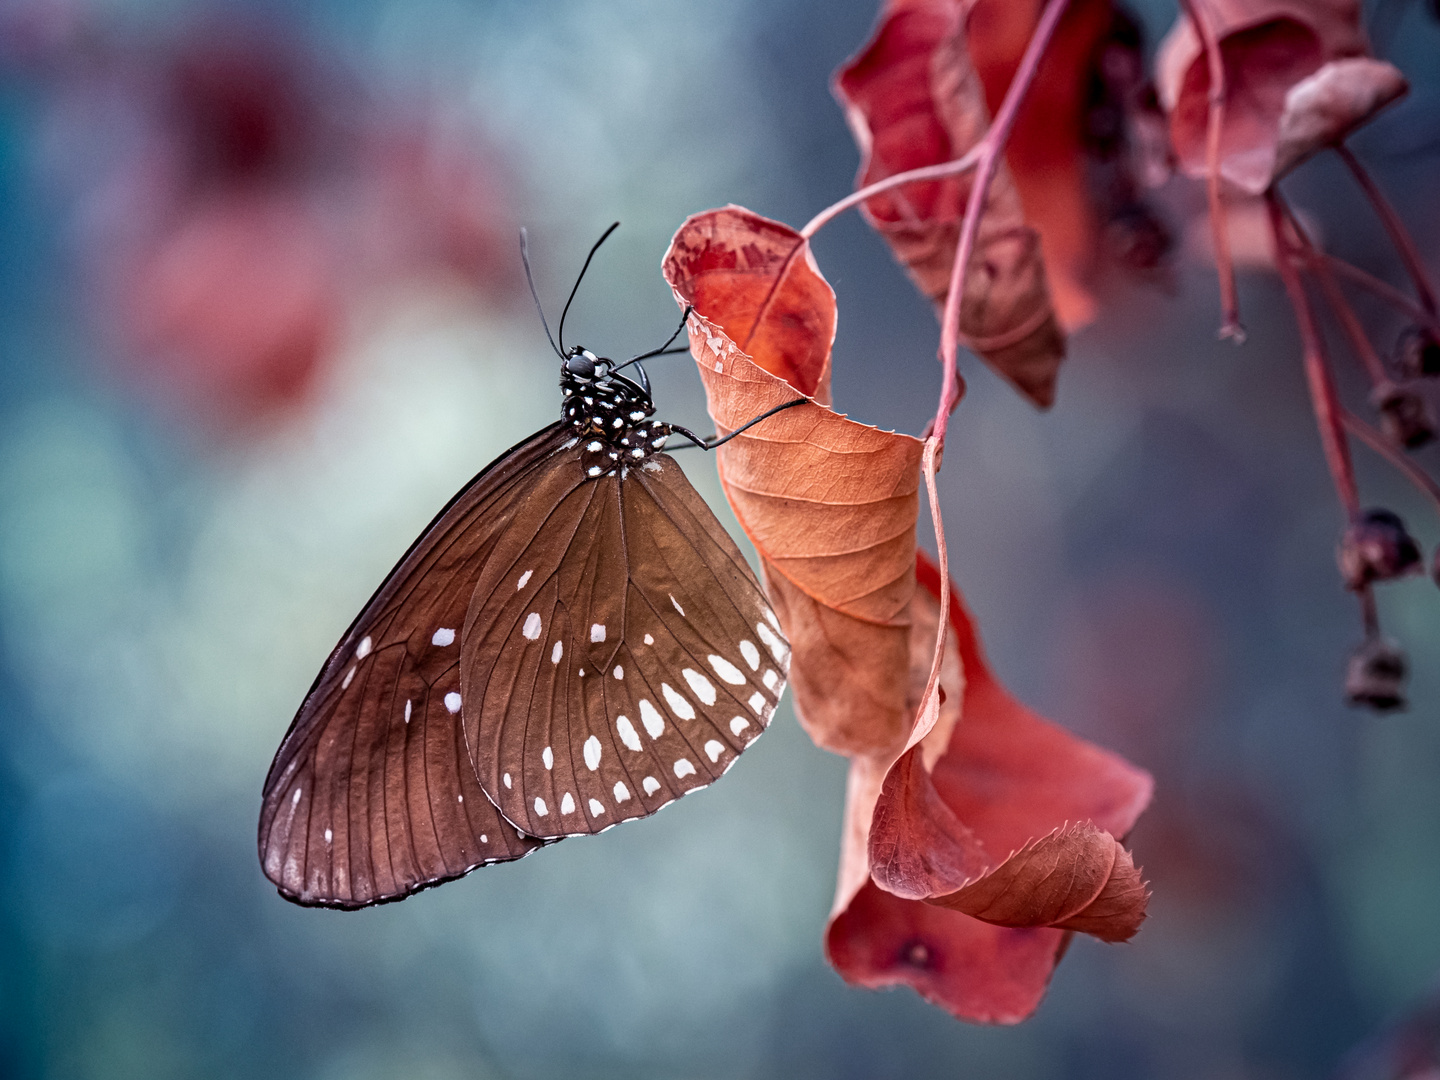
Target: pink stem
x,y
991,148
927,172
1394,226
1349,321
1384,290
1214,123
1381,445
1317,370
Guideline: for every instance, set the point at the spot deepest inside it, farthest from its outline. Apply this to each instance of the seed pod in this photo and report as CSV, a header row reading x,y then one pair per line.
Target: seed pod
x,y
1375,677
1376,547
1405,416
1417,353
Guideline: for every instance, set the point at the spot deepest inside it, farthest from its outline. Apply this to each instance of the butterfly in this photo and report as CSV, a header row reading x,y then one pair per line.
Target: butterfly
x,y
574,641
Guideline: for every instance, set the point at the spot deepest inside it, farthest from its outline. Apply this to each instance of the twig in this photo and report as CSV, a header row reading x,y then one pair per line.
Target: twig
x,y
1349,321
957,167
1323,397
1384,290
1382,446
1214,123
1405,246
991,149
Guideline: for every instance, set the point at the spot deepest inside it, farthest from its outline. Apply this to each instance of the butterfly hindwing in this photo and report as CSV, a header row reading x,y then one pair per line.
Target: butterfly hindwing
x,y
620,650
372,795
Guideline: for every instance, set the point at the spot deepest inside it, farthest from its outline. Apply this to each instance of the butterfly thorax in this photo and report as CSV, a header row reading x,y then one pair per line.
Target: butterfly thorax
x,y
610,413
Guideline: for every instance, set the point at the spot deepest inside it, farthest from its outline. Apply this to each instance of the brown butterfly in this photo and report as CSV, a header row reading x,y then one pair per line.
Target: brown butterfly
x,y
573,642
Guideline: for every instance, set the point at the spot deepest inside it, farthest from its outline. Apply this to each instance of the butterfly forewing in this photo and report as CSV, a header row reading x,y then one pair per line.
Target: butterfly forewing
x,y
619,649
372,795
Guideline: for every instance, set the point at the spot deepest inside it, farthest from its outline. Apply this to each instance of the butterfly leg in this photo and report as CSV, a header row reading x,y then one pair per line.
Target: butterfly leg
x,y
719,440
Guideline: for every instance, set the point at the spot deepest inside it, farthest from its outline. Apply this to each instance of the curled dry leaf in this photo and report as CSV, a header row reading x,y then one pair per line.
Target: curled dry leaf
x,y
1036,808
1323,109
1268,47
829,503
912,98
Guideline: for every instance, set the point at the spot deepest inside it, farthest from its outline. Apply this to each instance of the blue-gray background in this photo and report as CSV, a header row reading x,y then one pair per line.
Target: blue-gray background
x,y
1151,564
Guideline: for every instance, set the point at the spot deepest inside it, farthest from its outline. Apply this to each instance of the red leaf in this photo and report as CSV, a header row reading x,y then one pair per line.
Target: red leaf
x,y
1268,47
912,98
985,834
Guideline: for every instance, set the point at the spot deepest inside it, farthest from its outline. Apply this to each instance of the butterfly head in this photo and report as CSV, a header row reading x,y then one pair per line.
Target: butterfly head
x,y
610,412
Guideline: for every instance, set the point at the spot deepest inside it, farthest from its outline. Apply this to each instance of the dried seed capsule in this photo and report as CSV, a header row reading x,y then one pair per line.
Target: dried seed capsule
x,y
1417,353
1375,678
1376,547
1404,415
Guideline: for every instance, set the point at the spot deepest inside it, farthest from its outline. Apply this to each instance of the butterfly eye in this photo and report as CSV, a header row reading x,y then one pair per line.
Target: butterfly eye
x,y
580,364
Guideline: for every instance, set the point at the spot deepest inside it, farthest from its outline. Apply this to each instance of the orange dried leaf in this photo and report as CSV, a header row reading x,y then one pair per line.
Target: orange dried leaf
x,y
829,503
912,98
1267,47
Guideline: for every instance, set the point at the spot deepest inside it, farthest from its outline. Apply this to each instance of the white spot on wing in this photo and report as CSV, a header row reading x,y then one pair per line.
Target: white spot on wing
x,y
540,807
567,804
726,670
628,735
619,672
548,756
651,466
700,686
329,836
363,649
452,701
651,785
678,705
507,780
531,629
770,618
651,718
649,640
713,749
739,724
596,808
751,654
484,839
757,702
525,577
556,653
678,608
772,642
349,677
443,636
295,799
597,631
622,793
407,710
684,768
592,753
571,444
771,680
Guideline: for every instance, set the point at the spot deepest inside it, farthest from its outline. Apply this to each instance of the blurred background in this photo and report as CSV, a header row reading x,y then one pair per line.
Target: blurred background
x,y
261,313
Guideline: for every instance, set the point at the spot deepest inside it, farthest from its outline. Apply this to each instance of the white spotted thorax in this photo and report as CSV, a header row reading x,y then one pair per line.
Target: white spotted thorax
x,y
610,413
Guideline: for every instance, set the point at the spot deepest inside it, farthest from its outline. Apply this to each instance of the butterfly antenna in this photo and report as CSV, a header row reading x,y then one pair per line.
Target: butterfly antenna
x,y
664,350
525,258
603,237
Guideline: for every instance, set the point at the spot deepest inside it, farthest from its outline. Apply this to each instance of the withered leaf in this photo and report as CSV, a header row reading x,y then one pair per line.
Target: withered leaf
x,y
1321,110
1267,47
912,98
1023,851
829,503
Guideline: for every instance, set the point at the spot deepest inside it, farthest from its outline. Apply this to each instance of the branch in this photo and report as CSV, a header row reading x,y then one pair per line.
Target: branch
x,y
991,149
957,167
1214,121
